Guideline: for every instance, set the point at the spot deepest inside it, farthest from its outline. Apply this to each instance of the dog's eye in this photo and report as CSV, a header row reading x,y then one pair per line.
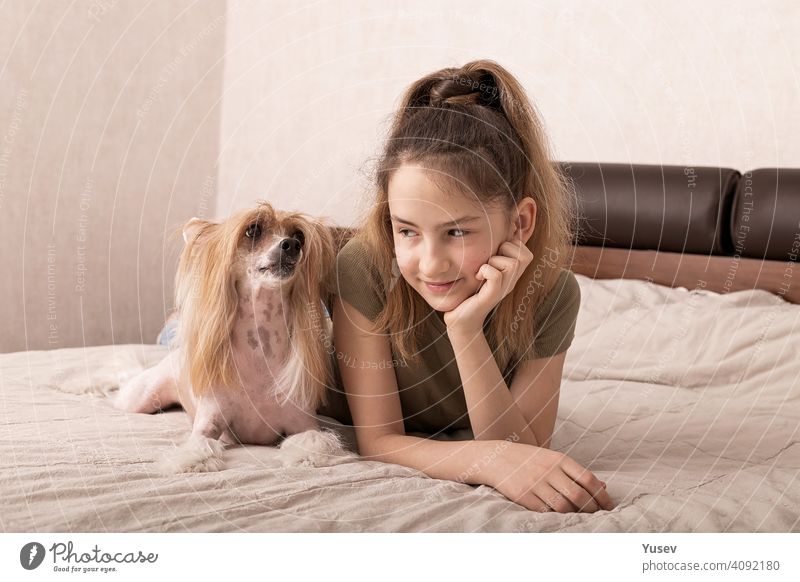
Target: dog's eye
x,y
298,234
253,231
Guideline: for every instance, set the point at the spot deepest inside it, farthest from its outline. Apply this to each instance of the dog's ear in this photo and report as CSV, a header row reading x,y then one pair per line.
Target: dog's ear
x,y
192,228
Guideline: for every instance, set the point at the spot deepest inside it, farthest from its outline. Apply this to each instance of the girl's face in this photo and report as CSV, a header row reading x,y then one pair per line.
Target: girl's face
x,y
441,238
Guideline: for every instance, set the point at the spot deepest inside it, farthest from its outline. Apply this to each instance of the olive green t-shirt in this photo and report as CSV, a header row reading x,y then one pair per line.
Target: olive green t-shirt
x,y
430,390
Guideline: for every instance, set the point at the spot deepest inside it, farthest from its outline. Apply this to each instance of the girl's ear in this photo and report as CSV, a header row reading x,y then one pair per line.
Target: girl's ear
x,y
524,220
192,228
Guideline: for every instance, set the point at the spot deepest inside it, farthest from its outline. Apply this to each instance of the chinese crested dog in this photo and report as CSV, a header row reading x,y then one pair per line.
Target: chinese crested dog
x,y
251,360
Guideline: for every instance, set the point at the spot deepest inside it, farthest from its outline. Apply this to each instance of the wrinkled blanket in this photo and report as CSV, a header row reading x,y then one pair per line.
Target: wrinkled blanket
x,y
687,403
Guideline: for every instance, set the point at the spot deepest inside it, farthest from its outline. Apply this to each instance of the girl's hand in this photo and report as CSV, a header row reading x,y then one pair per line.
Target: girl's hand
x,y
544,480
500,275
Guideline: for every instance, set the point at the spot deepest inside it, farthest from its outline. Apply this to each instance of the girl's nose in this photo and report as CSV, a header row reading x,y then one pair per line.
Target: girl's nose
x,y
432,265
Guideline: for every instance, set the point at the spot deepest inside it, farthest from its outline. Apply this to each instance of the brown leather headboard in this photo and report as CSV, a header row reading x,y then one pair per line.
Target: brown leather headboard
x,y
685,226
693,227
765,218
670,208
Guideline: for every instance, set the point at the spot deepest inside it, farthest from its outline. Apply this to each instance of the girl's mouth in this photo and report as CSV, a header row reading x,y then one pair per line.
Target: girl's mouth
x,y
441,288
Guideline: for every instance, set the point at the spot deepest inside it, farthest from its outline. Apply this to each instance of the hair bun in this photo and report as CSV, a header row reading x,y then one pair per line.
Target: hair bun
x,y
477,88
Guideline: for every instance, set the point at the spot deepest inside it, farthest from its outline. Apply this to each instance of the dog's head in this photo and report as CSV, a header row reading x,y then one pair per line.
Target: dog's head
x,y
288,253
263,247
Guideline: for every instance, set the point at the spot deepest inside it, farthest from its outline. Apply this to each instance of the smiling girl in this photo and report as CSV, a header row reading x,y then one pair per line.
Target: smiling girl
x,y
454,309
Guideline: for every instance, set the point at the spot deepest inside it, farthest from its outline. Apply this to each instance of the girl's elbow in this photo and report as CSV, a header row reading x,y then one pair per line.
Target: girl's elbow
x,y
372,447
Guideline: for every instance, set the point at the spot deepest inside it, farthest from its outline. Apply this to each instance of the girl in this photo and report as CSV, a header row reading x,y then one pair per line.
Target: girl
x,y
454,310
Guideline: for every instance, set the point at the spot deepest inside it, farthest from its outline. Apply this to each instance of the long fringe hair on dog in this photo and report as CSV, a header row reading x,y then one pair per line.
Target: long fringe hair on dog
x,y
253,357
207,300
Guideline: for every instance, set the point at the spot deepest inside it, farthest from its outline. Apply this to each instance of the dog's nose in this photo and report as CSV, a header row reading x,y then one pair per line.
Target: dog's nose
x,y
290,247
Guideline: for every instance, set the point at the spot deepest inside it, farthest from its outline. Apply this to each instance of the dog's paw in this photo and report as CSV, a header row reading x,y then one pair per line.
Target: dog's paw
x,y
197,455
314,448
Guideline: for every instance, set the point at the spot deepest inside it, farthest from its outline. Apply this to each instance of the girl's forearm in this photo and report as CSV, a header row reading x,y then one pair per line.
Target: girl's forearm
x,y
492,411
468,461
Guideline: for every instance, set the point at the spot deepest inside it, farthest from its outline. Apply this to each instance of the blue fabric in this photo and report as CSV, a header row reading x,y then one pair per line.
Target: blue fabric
x,y
167,334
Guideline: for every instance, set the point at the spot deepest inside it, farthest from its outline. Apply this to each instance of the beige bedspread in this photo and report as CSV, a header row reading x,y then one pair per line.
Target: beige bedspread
x,y
686,403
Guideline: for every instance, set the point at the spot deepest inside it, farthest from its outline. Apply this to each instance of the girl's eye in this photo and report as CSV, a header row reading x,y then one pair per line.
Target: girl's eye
x,y
462,233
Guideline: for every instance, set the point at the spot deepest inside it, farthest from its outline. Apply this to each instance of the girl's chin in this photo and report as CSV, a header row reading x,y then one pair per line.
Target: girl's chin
x,y
443,303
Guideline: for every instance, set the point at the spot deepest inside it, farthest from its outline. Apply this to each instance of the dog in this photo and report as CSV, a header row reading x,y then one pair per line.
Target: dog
x,y
251,358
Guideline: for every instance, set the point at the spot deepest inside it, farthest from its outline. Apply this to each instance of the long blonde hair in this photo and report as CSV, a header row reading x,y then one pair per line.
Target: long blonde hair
x,y
476,127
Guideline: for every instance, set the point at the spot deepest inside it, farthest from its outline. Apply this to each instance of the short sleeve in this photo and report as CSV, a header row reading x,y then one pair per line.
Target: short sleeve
x,y
357,279
556,318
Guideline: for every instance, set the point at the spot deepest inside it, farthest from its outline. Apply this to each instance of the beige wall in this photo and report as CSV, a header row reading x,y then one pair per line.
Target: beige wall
x,y
309,85
109,127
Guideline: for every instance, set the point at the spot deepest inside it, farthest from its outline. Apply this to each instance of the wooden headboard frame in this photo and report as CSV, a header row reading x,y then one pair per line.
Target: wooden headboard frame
x,y
721,274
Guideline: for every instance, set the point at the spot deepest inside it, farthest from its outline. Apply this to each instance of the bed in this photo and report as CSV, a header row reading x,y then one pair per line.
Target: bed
x,y
682,393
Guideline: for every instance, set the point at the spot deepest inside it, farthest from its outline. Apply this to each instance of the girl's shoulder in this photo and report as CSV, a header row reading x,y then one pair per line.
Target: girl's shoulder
x,y
354,252
565,295
567,286
354,261
356,279
557,315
